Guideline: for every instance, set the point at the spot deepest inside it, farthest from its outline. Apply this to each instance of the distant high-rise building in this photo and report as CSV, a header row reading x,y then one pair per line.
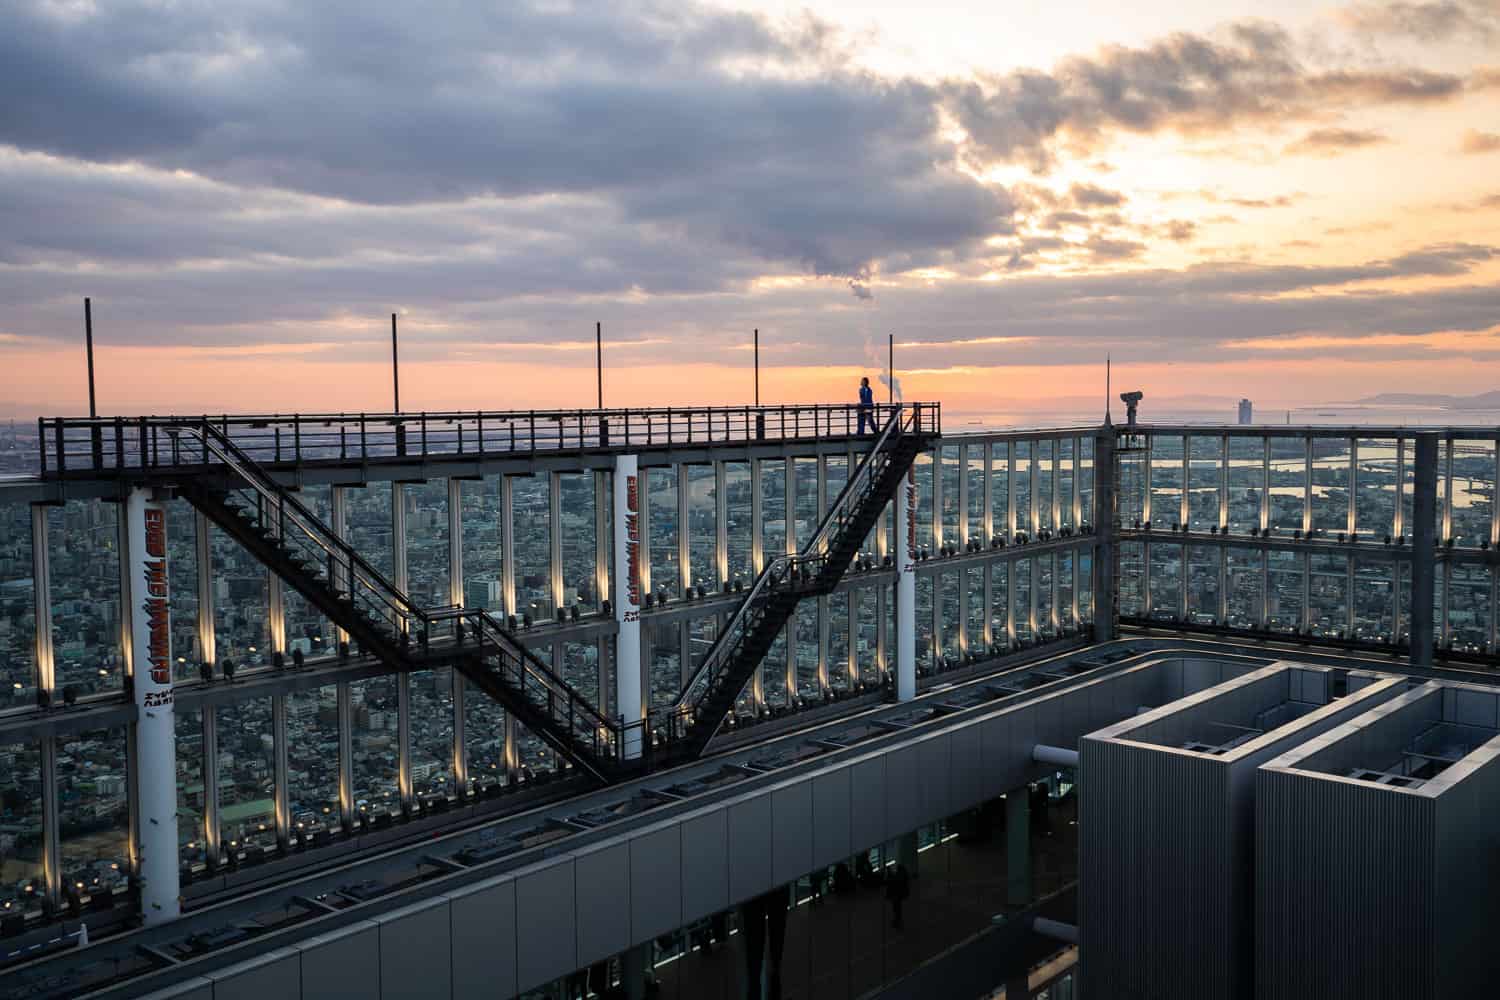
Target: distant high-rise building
x,y
1246,412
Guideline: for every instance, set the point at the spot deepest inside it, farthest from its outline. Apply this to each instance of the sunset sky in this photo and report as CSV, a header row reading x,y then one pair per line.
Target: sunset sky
x,y
1294,202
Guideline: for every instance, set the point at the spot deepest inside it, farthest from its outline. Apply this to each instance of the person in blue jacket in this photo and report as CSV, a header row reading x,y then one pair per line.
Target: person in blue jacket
x,y
866,406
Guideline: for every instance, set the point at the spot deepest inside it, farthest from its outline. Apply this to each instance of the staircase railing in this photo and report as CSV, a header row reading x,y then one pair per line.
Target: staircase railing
x,y
580,730
809,566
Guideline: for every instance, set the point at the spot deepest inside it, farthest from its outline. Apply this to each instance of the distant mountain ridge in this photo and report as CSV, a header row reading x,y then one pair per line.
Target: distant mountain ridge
x,y
1483,401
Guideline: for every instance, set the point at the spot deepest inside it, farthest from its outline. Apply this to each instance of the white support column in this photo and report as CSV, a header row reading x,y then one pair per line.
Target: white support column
x,y
338,503
1397,517
398,536
906,590
1353,493
963,497
41,590
721,527
1265,490
789,505
1307,495
989,514
757,516
603,552
1223,483
155,743
554,548
1146,481
206,640
456,598
684,532
629,499
937,540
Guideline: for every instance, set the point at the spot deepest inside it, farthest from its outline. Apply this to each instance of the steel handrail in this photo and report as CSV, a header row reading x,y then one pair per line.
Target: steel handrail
x,y
782,566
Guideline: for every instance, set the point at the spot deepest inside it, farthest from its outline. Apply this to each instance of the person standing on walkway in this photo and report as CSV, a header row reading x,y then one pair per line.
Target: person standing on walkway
x,y
866,405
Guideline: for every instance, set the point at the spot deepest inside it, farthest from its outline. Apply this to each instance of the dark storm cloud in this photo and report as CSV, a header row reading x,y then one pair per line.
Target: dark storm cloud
x,y
1187,83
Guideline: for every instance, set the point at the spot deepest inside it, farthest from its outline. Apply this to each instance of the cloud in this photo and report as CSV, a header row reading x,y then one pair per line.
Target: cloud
x,y
1434,21
1480,142
1334,142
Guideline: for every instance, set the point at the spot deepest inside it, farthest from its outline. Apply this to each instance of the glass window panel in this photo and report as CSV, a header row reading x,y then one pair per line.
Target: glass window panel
x,y
18,610
974,608
1247,482
835,474
1020,487
1243,568
703,530
838,642
1166,480
431,730
1000,488
867,635
306,628
1374,597
773,674
665,640
312,760
93,812
1288,484
1086,478
772,508
1203,584
926,652
1204,472
182,570
1085,586
1132,575
579,543
484,740
1328,594
376,748
1021,606
951,611
22,882
1408,484
484,579
1375,488
1284,611
532,755
1065,588
1065,478
427,542
242,624
1166,581
701,635
531,502
1131,499
187,727
809,683
1469,607
246,776
1473,491
999,605
974,476
806,509
1042,462
922,470
84,552
952,473
738,500
367,512
581,669
1330,487
1044,581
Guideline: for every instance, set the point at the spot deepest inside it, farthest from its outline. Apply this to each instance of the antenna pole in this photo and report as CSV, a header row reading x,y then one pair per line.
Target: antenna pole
x,y
88,339
757,366
1106,389
890,367
599,359
395,367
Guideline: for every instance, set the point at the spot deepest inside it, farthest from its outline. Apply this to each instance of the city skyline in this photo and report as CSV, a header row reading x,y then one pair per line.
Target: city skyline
x,y
1221,199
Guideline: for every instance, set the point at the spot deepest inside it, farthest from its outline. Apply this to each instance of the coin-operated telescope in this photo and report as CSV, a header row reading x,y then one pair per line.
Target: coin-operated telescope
x,y
1131,401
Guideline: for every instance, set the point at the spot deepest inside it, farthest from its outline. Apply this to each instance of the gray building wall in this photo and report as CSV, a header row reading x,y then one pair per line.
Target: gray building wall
x,y
1371,892
1167,841
520,930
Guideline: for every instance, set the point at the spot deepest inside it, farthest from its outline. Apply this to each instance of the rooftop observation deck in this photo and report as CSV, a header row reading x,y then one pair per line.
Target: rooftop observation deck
x,y
149,447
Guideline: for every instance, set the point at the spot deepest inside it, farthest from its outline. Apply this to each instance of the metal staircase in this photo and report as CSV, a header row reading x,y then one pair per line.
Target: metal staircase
x,y
381,620
731,661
